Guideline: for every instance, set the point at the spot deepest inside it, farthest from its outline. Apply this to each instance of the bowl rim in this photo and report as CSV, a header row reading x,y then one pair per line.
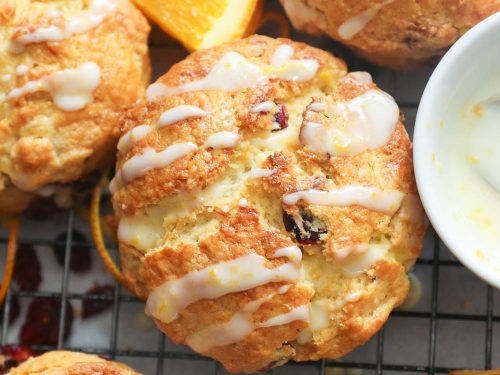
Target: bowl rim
x,y
444,228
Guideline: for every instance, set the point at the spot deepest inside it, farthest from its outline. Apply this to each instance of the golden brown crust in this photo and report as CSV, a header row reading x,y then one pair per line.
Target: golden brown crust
x,y
402,34
197,170
235,238
41,143
71,363
194,205
384,286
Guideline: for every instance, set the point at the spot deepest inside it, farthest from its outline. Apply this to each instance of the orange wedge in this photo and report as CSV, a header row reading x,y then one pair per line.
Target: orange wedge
x,y
201,24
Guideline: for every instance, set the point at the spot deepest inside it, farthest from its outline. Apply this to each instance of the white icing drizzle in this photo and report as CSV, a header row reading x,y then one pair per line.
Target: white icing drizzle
x,y
243,202
364,123
263,107
319,314
349,298
412,210
352,26
356,265
319,318
6,77
169,117
139,231
234,72
216,280
316,107
236,329
282,65
77,24
354,296
145,231
305,336
414,295
133,136
283,289
179,113
71,89
223,139
231,72
149,159
373,198
305,17
241,325
297,313
261,172
359,77
291,252
22,70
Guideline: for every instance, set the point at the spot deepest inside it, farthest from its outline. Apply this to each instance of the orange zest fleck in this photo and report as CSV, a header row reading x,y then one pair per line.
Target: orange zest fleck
x,y
10,259
95,227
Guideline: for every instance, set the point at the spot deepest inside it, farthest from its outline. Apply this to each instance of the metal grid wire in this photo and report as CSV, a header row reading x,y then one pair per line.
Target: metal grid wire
x,y
431,316
379,366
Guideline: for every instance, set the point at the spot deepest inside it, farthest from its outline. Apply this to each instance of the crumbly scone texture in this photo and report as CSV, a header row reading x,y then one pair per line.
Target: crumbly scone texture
x,y
40,144
192,206
71,363
402,34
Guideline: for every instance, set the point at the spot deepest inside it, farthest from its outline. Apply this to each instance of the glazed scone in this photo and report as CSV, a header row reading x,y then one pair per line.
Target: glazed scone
x,y
70,363
67,71
259,225
394,33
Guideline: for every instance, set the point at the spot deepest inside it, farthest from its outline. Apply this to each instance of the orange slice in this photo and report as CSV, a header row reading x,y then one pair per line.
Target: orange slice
x,y
201,24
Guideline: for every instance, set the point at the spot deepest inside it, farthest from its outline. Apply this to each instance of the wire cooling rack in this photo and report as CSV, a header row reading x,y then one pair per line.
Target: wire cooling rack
x,y
455,324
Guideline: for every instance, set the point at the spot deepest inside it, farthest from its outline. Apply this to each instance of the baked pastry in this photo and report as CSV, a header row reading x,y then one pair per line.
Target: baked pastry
x,y
267,205
394,33
70,363
67,71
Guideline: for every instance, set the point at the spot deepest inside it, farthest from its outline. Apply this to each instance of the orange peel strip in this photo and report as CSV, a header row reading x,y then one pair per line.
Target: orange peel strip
x,y
10,259
95,227
279,19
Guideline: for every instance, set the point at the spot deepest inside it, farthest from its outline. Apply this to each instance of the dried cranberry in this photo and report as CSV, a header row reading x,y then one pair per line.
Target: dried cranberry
x,y
281,118
27,270
17,353
42,322
14,310
91,307
81,260
13,355
304,227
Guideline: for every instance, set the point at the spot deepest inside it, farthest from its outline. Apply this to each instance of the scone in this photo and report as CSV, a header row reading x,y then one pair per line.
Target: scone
x,y
394,33
67,71
267,204
70,363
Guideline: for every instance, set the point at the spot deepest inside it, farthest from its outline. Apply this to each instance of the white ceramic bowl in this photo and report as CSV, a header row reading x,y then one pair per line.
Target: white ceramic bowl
x,y
472,63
